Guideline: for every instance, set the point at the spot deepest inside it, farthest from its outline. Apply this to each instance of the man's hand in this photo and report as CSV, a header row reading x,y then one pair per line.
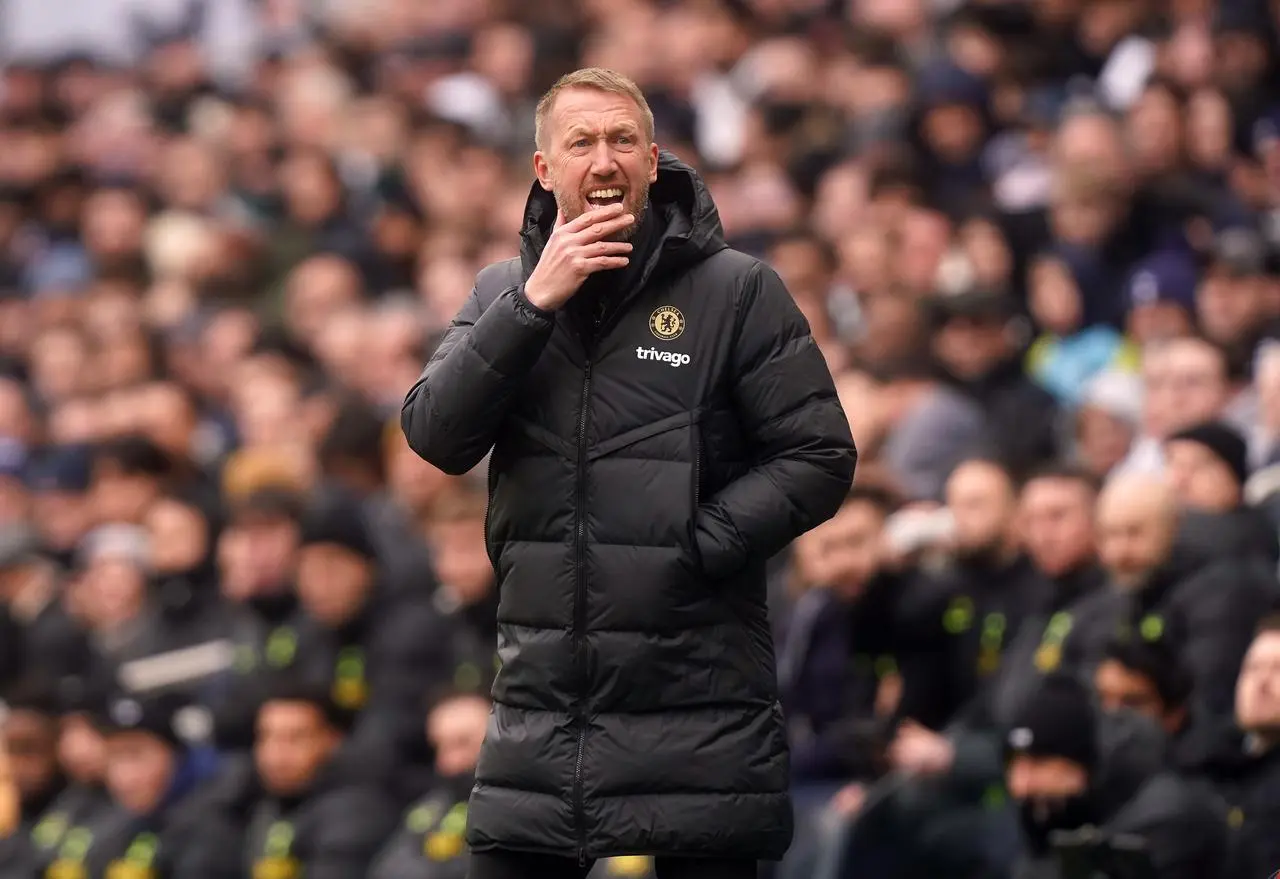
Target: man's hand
x,y
576,249
918,750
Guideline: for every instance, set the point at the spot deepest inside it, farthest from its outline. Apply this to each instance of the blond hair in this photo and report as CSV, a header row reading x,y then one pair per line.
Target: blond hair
x,y
600,79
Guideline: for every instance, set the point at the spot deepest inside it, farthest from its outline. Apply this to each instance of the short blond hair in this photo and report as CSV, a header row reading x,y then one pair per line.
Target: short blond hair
x,y
600,79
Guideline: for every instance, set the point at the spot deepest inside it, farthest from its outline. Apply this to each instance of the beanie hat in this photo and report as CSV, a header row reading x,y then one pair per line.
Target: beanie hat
x,y
338,520
1224,441
1057,720
168,717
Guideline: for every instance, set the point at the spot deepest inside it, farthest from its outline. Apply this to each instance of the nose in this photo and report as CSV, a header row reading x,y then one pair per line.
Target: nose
x,y
602,159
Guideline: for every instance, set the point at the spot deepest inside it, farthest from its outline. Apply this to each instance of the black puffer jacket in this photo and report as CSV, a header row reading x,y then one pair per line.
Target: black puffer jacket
x,y
638,486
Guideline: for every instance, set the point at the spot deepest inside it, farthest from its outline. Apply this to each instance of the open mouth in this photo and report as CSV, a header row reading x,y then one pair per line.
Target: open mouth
x,y
599,198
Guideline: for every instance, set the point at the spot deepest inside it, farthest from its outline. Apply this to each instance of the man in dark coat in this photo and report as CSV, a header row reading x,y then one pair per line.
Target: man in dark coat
x,y
661,423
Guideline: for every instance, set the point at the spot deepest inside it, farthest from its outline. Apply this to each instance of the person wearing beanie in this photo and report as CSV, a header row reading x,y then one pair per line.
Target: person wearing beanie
x,y
1070,766
167,817
358,637
1207,466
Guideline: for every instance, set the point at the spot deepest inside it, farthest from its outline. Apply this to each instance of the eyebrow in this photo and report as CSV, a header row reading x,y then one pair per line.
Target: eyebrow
x,y
617,128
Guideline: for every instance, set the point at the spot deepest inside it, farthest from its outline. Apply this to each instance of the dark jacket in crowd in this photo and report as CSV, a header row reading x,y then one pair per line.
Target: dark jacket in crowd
x,y
331,832
834,657
648,457
37,844
431,841
1244,533
1249,780
1217,604
190,834
1132,792
959,626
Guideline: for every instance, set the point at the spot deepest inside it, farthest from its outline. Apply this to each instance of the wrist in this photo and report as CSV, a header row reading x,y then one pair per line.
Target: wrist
x,y
534,298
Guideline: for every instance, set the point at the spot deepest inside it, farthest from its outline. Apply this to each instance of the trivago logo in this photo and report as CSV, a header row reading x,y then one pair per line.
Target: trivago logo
x,y
668,357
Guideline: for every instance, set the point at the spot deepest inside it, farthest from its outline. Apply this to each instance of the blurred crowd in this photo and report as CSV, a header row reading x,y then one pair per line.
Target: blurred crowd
x,y
245,631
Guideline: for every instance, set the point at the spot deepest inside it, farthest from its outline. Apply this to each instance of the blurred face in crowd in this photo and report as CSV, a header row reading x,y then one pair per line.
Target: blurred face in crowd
x,y
981,497
1157,321
1056,519
1185,382
1136,523
1230,307
179,535
262,552
333,582
82,751
460,558
140,767
61,517
59,361
1120,688
843,553
114,591
312,192
1258,688
594,146
988,252
31,739
1055,299
168,417
953,131
118,496
455,729
1200,479
316,290
1209,129
294,741
971,347
113,222
1102,439
1155,131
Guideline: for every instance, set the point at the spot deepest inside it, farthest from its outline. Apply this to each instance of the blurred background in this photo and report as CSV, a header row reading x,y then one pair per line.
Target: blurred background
x,y
1037,240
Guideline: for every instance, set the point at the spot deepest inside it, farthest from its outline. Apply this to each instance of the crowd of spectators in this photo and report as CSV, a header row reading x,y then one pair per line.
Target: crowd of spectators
x,y
244,630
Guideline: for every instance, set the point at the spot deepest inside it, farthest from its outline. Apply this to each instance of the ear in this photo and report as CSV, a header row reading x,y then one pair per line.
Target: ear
x,y
542,169
653,163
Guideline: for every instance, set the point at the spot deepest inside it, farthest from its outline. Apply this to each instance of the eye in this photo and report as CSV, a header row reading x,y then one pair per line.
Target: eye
x,y
624,138
580,143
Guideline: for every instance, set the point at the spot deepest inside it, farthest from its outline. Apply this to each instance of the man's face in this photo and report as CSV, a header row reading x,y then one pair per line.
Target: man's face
x,y
271,545
1131,542
595,144
1230,307
1258,688
293,743
982,501
31,741
456,730
461,559
333,582
139,770
1056,517
82,751
969,347
1197,383
843,553
1201,480
1119,687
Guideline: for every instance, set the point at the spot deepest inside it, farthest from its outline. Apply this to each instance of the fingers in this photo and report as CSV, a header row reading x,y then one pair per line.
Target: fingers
x,y
593,215
604,263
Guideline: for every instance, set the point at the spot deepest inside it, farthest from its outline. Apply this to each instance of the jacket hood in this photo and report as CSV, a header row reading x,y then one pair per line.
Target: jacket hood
x,y
688,221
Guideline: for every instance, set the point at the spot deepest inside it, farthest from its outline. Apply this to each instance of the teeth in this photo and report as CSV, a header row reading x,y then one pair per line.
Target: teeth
x,y
605,193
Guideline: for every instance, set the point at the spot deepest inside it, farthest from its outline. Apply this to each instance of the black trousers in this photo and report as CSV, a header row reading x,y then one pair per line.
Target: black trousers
x,y
520,865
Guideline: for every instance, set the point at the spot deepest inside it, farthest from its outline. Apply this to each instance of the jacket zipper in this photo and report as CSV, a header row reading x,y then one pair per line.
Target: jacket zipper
x,y
580,615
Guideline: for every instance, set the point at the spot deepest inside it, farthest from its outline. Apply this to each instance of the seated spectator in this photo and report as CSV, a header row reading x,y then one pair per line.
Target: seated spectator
x,y
312,819
167,817
1207,467
1249,775
1054,762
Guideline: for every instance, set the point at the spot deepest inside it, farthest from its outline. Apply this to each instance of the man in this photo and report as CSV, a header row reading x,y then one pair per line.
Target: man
x,y
1055,513
1207,466
1184,383
1056,757
1215,602
168,818
313,819
661,424
1250,784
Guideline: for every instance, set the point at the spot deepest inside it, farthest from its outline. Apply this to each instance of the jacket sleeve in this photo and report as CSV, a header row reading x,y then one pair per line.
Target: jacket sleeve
x,y
797,432
452,414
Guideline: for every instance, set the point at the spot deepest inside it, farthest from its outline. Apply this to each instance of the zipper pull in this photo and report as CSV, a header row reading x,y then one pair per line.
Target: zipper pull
x,y
582,858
